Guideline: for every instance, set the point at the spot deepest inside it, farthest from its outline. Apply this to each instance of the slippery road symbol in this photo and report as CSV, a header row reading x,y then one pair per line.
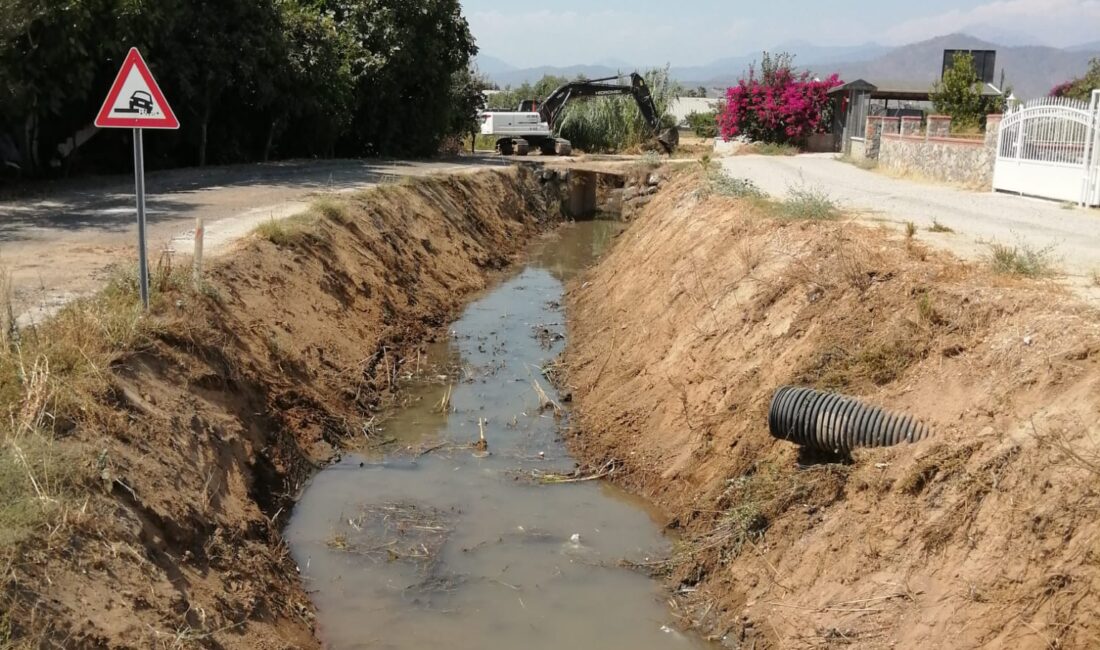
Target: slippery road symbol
x,y
141,103
135,101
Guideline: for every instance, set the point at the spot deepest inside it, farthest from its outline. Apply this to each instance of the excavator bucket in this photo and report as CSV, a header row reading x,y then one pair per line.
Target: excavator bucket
x,y
669,139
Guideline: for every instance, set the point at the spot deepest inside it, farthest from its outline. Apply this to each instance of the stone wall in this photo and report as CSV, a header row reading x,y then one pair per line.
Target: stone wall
x,y
935,155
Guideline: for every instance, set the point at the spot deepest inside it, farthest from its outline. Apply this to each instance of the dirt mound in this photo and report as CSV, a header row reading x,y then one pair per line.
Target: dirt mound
x,y
185,435
983,536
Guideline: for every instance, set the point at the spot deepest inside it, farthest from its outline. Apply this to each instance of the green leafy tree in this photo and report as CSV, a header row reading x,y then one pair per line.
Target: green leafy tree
x,y
408,52
467,102
959,93
53,57
248,78
314,97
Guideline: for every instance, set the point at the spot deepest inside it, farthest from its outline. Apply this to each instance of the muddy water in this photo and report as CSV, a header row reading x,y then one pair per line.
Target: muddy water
x,y
459,549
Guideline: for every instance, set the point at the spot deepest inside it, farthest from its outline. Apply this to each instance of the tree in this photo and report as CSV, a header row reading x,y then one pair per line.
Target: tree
x,y
315,91
1080,88
959,93
467,101
249,78
407,54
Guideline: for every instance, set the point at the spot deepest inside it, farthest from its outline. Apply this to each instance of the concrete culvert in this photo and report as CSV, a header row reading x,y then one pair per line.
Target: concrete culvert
x,y
832,422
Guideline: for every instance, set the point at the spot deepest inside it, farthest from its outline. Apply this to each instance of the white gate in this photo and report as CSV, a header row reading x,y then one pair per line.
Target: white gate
x,y
1050,148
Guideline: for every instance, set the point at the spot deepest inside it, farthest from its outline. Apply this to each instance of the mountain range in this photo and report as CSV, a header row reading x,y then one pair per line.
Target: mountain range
x,y
1030,70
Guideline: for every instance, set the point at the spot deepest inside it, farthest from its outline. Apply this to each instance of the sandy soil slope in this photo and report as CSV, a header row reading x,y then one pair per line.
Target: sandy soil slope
x,y
183,446
984,536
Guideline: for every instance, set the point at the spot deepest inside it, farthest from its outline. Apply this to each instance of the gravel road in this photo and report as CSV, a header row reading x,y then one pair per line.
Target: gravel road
x,y
1071,234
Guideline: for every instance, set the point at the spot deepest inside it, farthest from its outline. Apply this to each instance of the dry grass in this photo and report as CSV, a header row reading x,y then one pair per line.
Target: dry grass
x,y
863,163
394,532
751,502
331,209
939,227
910,229
445,405
1094,277
751,255
53,376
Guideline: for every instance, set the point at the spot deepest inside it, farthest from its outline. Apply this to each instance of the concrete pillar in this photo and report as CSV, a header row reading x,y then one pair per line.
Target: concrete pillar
x,y
910,125
939,126
582,194
992,129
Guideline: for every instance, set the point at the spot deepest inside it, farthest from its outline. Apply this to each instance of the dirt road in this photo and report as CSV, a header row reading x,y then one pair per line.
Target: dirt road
x,y
1072,234
61,243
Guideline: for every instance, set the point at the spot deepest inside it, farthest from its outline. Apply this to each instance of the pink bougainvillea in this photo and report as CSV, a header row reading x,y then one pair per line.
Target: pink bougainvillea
x,y
785,108
1062,90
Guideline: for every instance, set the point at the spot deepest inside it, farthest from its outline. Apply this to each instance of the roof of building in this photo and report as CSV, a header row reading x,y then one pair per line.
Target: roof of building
x,y
905,90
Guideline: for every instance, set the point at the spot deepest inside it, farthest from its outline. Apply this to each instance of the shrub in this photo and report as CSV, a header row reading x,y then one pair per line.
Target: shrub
x,y
809,203
723,184
1022,259
779,107
704,125
1082,87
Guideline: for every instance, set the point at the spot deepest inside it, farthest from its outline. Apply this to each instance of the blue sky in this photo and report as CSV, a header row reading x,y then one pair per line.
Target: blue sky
x,y
564,32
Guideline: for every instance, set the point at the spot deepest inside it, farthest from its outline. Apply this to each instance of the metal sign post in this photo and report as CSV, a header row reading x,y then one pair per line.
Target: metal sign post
x,y
136,102
139,191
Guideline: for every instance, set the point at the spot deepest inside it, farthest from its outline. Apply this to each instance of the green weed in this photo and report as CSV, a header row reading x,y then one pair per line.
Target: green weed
x,y
284,232
770,149
939,227
808,204
1022,259
723,184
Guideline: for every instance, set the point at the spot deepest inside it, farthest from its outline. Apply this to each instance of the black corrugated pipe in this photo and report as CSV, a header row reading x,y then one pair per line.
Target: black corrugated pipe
x,y
832,422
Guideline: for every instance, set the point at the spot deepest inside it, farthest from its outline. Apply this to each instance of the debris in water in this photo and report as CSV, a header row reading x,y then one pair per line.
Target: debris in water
x,y
577,476
482,444
394,532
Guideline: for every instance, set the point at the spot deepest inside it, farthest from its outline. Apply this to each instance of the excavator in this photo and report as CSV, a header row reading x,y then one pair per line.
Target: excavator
x,y
535,125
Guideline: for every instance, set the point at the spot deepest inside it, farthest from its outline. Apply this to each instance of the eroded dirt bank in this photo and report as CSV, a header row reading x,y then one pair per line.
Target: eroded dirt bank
x,y
985,536
184,443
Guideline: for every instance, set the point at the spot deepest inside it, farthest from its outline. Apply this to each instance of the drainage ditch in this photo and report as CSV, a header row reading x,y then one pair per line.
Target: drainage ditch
x,y
470,528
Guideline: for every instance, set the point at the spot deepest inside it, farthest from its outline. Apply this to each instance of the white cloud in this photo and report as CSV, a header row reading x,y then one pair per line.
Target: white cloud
x,y
1053,22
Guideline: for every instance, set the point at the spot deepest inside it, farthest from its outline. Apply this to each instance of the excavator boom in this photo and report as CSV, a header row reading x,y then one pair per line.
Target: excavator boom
x,y
552,108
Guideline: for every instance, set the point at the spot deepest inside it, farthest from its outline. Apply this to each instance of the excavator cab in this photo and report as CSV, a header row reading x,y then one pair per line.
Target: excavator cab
x,y
529,106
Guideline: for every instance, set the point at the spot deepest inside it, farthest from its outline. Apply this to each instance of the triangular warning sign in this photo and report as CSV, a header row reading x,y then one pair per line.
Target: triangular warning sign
x,y
135,100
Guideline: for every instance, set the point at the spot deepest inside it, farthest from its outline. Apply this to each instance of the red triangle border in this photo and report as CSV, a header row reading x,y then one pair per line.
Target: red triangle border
x,y
104,119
